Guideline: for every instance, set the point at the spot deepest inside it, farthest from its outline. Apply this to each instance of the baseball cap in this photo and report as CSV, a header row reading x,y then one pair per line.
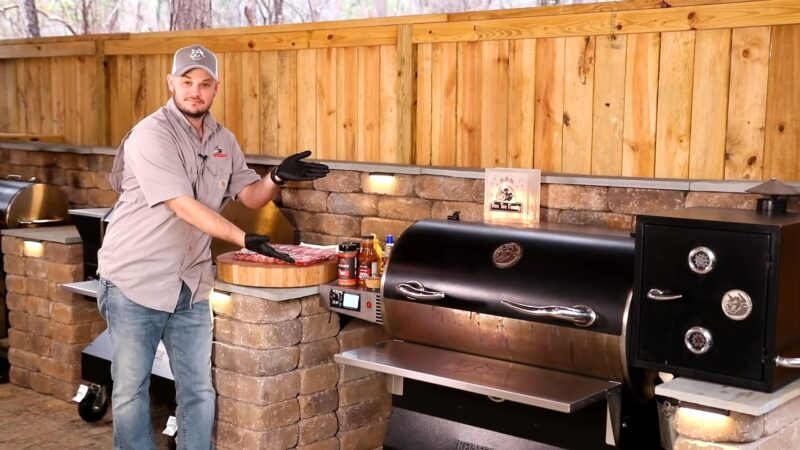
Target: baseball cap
x,y
194,57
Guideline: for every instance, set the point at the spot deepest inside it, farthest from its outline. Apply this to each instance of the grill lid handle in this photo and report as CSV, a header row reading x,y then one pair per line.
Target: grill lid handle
x,y
579,315
658,294
791,363
417,291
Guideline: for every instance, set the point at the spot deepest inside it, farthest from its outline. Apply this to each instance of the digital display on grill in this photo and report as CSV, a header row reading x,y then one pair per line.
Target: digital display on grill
x,y
351,301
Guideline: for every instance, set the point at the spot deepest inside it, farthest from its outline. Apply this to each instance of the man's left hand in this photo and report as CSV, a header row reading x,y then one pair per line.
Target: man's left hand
x,y
293,168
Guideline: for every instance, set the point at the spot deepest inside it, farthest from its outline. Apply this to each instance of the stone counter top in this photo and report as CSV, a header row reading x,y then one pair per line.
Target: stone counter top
x,y
66,234
88,288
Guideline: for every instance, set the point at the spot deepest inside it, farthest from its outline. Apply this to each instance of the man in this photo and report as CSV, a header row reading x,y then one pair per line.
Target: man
x,y
174,171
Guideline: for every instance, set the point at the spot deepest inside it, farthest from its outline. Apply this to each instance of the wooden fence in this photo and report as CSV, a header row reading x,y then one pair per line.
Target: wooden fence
x,y
687,89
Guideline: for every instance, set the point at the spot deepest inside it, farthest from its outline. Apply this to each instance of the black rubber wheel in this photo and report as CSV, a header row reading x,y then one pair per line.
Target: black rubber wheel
x,y
93,406
172,444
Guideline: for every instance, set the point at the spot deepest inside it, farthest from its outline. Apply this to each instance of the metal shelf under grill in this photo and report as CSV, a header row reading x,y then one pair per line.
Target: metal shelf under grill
x,y
549,389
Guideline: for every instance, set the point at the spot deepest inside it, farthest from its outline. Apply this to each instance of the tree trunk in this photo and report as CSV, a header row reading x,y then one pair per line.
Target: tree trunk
x,y
190,14
250,12
31,18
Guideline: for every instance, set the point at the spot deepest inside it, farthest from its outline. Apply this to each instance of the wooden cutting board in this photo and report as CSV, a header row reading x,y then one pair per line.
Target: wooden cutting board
x,y
254,274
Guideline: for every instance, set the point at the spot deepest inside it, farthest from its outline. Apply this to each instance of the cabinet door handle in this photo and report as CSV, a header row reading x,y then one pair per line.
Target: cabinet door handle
x,y
658,294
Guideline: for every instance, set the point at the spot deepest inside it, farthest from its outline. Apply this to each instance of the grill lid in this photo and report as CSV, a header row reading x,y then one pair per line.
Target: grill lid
x,y
553,274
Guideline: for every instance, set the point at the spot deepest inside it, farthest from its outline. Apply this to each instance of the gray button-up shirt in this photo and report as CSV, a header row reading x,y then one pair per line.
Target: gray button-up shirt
x,y
148,251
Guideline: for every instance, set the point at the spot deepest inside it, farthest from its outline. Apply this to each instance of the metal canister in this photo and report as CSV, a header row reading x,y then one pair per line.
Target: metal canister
x,y
348,264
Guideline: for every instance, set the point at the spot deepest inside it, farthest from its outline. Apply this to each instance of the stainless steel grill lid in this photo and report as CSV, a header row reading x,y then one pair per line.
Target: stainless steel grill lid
x,y
30,204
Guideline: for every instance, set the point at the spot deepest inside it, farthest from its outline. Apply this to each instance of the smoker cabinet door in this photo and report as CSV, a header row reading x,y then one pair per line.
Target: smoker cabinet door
x,y
703,300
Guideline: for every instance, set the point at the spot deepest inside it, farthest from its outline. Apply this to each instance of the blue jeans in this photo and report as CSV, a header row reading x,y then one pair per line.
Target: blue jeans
x,y
135,332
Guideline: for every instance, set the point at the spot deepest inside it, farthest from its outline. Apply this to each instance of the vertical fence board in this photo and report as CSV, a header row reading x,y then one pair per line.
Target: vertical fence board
x,y
251,97
346,103
368,117
747,102
72,107
424,115
521,75
494,104
58,93
710,104
674,113
389,114
307,101
406,91
155,72
641,93
608,107
444,83
87,99
8,83
287,102
233,92
468,133
326,103
218,106
783,105
268,111
121,98
23,103
138,88
38,88
549,114
579,59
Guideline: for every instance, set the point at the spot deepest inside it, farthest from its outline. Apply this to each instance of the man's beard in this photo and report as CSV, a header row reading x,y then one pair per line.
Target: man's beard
x,y
193,115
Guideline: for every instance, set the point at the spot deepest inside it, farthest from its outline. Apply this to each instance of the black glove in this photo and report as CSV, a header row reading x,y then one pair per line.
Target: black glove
x,y
293,168
258,243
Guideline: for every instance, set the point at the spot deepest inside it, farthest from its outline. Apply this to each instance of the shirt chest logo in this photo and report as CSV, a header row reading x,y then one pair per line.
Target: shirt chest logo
x,y
219,152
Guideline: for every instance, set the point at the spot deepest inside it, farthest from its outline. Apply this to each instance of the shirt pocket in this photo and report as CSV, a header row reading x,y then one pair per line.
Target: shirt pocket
x,y
216,179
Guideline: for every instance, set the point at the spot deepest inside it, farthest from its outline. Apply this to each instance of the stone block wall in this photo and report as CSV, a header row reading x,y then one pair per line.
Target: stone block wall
x,y
278,386
83,177
49,327
778,429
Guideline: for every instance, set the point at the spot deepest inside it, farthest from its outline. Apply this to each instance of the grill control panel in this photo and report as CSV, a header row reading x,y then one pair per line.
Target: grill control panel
x,y
352,301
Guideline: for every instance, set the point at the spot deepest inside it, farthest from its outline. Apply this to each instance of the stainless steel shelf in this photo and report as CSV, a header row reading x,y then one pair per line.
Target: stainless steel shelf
x,y
549,389
87,288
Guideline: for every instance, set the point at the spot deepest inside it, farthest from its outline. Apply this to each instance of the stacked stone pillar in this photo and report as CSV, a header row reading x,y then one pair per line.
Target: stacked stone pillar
x,y
778,429
278,386
49,326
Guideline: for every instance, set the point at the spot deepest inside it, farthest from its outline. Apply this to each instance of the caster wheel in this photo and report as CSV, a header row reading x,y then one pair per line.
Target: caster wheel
x,y
172,444
94,405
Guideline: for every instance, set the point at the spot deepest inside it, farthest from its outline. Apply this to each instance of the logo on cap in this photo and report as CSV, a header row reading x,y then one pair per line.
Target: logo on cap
x,y
197,53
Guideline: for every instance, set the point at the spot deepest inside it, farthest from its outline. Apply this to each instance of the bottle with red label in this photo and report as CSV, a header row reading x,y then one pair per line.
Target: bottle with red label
x,y
367,261
348,264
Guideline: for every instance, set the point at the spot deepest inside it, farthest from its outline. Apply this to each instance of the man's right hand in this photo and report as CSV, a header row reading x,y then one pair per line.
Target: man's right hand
x,y
259,243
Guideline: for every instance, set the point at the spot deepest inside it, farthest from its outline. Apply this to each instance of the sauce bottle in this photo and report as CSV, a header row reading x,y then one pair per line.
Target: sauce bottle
x,y
367,261
387,251
348,267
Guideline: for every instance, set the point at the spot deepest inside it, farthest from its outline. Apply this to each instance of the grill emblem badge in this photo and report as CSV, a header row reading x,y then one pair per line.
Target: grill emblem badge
x,y
698,340
702,260
507,255
736,304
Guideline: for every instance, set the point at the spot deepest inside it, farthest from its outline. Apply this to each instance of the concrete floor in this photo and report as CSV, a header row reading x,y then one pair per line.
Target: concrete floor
x,y
31,420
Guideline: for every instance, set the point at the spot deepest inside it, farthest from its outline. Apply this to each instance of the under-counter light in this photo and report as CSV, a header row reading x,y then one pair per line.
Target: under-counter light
x,y
712,420
219,299
381,182
32,249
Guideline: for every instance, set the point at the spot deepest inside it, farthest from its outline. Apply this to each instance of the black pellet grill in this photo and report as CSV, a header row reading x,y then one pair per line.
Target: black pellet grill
x,y
510,338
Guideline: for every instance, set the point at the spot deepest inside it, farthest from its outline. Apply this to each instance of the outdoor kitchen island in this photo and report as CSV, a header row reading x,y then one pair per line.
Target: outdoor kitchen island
x,y
276,381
